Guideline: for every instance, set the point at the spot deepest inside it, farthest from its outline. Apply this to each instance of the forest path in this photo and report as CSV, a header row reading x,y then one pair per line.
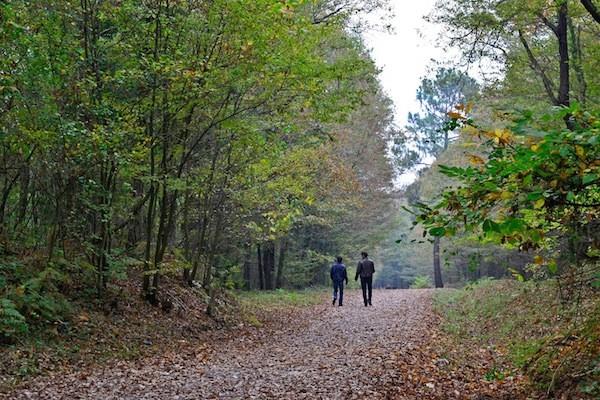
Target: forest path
x,y
387,351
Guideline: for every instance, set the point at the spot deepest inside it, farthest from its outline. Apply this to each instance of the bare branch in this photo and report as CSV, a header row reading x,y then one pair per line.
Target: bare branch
x,y
536,66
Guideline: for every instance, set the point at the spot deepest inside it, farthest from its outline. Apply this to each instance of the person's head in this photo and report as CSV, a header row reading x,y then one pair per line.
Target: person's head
x,y
364,254
338,259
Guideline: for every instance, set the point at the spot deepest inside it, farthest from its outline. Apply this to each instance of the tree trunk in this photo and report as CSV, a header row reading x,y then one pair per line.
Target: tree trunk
x,y
280,263
261,278
563,50
577,61
437,269
268,264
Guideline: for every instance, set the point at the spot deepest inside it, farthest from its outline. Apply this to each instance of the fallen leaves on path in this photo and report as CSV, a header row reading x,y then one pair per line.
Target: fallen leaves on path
x,y
387,351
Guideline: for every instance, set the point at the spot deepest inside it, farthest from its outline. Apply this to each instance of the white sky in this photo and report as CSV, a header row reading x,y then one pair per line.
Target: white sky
x,y
404,57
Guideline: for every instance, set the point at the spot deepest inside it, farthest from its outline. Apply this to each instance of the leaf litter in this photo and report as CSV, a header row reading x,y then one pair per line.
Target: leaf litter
x,y
392,350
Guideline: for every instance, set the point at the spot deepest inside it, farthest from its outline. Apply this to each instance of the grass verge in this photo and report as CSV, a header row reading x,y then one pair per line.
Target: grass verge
x,y
257,306
556,344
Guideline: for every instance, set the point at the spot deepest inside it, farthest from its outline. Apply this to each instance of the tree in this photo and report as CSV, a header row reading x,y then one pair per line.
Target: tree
x,y
538,189
425,135
547,34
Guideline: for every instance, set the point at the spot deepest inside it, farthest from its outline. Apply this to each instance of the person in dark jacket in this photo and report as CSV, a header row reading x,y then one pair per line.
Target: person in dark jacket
x,y
365,270
338,276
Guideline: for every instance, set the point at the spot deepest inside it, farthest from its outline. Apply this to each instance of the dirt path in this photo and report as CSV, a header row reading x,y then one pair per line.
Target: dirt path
x,y
387,351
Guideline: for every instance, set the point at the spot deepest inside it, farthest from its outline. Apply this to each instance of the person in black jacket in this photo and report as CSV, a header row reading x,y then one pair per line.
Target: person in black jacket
x,y
365,269
338,276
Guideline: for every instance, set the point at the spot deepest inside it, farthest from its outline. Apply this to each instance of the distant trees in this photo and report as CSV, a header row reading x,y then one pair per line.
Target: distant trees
x,y
425,135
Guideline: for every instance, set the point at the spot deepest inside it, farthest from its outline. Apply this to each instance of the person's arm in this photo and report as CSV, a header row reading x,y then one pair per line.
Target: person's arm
x,y
358,268
346,275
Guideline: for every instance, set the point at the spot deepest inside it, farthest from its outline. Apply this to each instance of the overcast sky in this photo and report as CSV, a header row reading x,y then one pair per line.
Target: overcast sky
x,y
405,56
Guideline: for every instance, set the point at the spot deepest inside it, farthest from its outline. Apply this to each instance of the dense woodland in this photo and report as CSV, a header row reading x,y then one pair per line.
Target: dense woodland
x,y
232,143
224,145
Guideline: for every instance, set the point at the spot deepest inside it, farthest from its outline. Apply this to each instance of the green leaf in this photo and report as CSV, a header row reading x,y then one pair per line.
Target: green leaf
x,y
552,267
517,275
490,226
589,178
512,225
438,231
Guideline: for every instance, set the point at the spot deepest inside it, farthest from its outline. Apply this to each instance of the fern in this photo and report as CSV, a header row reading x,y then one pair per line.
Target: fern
x,y
12,322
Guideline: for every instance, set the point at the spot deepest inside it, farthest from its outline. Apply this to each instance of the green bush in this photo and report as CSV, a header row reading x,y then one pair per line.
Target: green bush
x,y
421,282
29,297
12,322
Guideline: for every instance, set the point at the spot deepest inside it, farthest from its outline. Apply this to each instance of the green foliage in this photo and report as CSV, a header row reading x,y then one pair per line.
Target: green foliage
x,y
548,340
12,322
534,184
421,282
29,298
132,139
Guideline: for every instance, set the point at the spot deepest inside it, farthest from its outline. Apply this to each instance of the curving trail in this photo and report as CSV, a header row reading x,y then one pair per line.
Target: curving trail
x,y
387,351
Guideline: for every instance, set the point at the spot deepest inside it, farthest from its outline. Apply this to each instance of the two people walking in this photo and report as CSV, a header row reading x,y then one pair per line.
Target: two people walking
x,y
364,270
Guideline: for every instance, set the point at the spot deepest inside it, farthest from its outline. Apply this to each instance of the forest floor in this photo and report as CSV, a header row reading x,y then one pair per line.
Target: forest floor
x,y
392,350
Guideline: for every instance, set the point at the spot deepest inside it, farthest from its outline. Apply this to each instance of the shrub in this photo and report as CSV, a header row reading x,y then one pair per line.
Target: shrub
x,y
29,297
12,322
421,282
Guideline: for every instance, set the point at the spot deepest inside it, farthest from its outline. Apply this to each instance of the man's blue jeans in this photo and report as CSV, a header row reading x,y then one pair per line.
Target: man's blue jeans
x,y
338,286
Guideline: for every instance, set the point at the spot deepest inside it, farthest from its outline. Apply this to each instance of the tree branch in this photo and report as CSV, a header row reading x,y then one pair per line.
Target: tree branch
x,y
549,23
535,65
591,7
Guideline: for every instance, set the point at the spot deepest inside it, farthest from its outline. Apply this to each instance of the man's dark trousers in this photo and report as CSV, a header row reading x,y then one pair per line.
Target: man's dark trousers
x,y
367,286
338,286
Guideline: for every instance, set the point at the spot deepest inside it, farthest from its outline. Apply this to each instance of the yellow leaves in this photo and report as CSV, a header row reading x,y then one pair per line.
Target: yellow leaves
x,y
455,115
475,160
539,203
580,151
506,195
465,107
535,147
501,136
247,47
287,11
20,291
460,111
539,260
83,317
492,196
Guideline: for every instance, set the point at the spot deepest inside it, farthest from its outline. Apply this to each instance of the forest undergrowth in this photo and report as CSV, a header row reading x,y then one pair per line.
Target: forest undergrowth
x,y
555,343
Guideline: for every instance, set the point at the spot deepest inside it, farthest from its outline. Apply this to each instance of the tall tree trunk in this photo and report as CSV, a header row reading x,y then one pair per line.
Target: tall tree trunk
x,y
148,267
185,229
280,263
24,190
563,50
261,277
437,268
577,61
268,264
